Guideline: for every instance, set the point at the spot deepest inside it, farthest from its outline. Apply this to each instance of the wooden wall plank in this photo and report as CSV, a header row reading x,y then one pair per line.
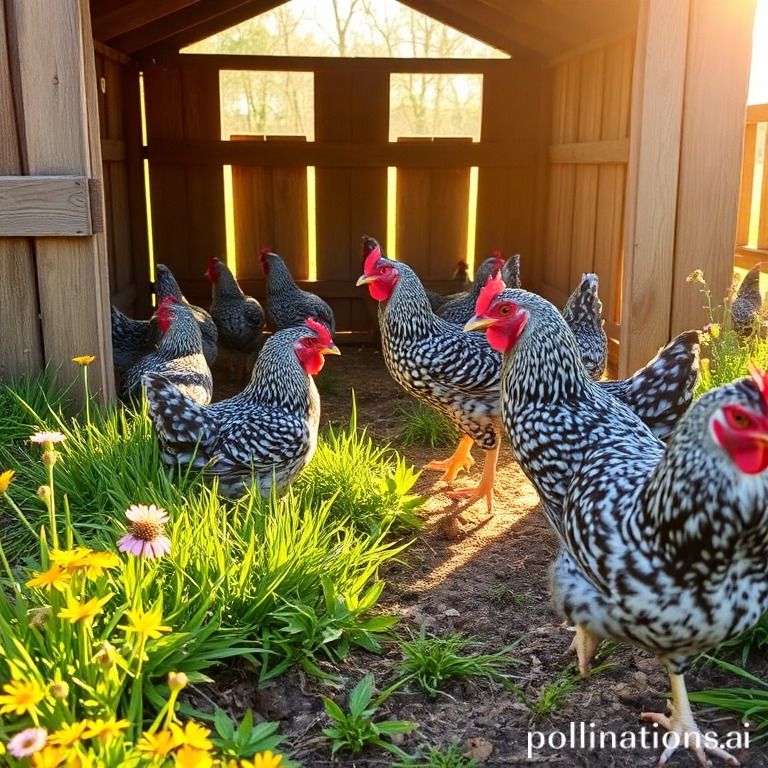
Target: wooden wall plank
x,y
37,206
716,84
657,107
19,326
747,184
72,266
762,223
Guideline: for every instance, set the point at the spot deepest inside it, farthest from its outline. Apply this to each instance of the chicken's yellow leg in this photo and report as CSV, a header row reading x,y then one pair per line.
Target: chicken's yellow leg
x,y
681,722
461,459
585,644
484,489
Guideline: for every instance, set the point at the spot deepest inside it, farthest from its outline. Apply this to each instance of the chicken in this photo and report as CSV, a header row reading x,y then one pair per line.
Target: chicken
x,y
662,546
239,318
460,308
287,304
436,362
747,304
263,436
510,272
165,286
131,339
461,277
584,314
179,356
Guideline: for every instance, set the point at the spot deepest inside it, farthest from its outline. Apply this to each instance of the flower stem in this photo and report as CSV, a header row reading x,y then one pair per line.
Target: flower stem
x,y
51,502
12,504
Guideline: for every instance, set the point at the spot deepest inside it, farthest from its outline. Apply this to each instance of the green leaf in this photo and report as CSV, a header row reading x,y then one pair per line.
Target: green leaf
x,y
361,695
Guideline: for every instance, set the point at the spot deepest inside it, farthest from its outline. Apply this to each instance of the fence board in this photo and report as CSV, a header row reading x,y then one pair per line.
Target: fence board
x,y
747,184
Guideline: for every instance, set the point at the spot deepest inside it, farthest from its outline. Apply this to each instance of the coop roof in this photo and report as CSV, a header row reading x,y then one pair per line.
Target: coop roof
x,y
526,29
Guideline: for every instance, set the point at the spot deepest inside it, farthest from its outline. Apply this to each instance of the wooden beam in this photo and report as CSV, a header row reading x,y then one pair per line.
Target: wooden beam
x,y
187,26
61,136
607,151
344,154
656,116
247,62
757,113
44,206
716,85
132,15
111,53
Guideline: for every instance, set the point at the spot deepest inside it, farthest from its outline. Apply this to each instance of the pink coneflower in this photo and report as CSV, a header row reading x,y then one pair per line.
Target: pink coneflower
x,y
145,537
47,439
27,742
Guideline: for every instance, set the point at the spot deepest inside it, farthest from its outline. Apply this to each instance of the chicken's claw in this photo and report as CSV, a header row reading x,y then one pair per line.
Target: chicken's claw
x,y
461,459
475,493
584,645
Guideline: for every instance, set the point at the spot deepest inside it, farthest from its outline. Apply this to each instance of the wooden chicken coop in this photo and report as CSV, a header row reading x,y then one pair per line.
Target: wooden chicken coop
x,y
611,141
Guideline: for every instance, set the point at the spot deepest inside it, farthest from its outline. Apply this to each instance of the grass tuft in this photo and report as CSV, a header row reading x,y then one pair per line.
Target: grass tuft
x,y
424,426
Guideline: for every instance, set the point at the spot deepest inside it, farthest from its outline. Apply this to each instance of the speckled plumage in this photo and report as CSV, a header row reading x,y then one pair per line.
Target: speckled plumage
x,y
178,357
663,546
166,285
287,304
584,314
746,306
239,318
510,272
438,363
267,431
459,308
131,339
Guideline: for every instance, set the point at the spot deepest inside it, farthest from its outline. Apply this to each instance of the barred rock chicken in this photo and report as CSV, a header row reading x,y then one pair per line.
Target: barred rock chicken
x,y
239,318
458,309
584,314
662,546
166,285
461,277
264,435
510,272
746,306
287,304
131,339
436,362
179,356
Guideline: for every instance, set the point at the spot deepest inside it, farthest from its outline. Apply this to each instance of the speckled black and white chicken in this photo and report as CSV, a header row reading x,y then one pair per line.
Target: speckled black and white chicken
x,y
458,309
436,362
131,339
510,272
178,357
287,304
584,314
460,276
239,318
663,546
167,286
265,434
747,303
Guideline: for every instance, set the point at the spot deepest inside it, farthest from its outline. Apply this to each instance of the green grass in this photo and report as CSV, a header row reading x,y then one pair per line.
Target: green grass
x,y
424,426
501,594
431,661
451,757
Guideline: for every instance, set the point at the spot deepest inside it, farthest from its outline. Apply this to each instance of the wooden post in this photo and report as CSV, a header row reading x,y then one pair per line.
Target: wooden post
x,y
56,94
716,84
657,108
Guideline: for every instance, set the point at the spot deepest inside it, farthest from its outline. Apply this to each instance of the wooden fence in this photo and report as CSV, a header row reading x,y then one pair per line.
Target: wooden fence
x,y
751,217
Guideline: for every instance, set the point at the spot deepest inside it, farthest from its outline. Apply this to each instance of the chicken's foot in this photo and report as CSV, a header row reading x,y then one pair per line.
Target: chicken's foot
x,y
680,721
484,489
461,459
584,645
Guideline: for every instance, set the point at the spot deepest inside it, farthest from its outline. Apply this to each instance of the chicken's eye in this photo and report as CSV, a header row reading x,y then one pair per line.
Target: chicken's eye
x,y
739,420
504,309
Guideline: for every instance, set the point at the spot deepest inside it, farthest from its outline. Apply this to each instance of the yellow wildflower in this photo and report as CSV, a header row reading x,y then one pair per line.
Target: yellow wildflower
x,y
5,479
84,359
189,757
145,623
193,735
158,744
56,577
21,697
77,611
177,680
50,757
71,559
263,760
59,690
68,734
105,729
714,330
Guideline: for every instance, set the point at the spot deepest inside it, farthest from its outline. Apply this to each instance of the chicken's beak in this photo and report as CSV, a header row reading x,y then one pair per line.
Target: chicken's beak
x,y
332,350
478,323
365,280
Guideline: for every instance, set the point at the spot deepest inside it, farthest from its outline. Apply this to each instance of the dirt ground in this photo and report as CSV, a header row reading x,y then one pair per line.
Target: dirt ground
x,y
490,581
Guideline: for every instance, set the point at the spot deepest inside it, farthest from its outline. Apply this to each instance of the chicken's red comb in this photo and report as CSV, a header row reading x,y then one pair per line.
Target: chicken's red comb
x,y
370,260
497,254
265,251
321,331
761,380
494,285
